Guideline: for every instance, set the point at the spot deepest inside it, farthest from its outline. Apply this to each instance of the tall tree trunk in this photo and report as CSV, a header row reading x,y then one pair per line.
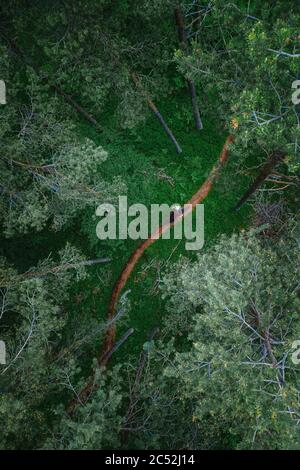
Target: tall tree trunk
x,y
191,85
273,160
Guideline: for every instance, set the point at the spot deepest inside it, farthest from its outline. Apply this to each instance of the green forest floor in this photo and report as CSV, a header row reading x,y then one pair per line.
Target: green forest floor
x,y
140,156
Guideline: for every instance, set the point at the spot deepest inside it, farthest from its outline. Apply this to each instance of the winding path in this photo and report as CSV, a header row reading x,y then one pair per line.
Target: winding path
x,y
110,335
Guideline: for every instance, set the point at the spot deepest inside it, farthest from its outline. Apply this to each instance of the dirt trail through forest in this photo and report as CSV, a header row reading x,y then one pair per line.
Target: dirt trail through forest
x,y
110,336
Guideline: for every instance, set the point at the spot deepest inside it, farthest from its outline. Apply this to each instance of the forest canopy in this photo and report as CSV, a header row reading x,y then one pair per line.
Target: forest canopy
x,y
142,344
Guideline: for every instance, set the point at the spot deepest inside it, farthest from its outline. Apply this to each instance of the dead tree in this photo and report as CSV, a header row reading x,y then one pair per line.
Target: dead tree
x,y
116,346
59,268
75,105
157,114
191,85
164,125
275,157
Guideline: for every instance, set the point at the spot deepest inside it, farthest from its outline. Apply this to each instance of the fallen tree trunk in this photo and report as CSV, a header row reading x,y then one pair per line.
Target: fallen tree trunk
x,y
268,167
117,345
54,270
158,115
75,105
164,125
64,267
191,85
